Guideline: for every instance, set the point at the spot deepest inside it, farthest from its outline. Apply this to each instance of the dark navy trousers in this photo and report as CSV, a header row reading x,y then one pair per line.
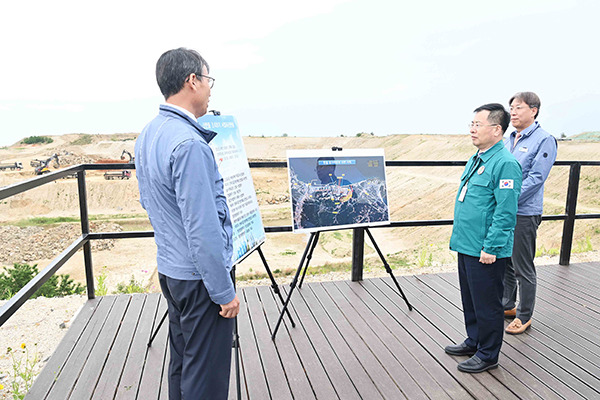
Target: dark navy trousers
x,y
481,289
199,341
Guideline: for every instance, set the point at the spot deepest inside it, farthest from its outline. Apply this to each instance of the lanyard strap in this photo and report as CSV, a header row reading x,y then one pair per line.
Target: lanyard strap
x,y
473,168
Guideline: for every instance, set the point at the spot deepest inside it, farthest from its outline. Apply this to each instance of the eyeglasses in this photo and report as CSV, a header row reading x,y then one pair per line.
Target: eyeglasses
x,y
517,108
211,81
477,125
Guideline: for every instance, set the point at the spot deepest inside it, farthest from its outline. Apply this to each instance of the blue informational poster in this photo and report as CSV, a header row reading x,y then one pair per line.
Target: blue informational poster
x,y
230,154
337,189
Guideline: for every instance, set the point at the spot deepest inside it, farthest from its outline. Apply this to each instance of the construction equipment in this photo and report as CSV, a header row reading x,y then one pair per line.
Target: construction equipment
x,y
44,168
125,152
117,175
11,166
36,162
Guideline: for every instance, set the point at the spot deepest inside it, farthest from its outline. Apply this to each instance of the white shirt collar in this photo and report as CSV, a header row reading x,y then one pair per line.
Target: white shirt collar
x,y
183,110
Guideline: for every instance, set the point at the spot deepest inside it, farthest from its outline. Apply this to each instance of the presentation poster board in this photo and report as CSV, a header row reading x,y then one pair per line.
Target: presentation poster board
x,y
337,189
230,154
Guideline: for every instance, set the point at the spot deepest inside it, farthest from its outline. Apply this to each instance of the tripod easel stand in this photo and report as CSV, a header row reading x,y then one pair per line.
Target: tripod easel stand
x,y
307,255
236,338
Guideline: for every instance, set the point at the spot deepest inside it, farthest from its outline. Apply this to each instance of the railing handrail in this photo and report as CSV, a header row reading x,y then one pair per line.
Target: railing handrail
x,y
8,309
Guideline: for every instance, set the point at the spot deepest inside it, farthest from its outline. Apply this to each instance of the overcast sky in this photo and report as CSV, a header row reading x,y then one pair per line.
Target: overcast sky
x,y
310,68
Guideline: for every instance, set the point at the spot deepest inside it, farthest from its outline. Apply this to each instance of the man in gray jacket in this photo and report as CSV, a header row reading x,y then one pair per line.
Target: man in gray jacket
x,y
182,191
535,149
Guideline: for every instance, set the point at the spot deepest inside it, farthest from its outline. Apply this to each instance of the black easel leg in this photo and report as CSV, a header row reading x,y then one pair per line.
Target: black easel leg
x,y
309,256
236,345
158,328
293,284
387,268
274,285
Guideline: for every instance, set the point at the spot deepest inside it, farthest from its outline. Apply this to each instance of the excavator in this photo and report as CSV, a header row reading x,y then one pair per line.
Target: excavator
x,y
44,168
125,152
126,174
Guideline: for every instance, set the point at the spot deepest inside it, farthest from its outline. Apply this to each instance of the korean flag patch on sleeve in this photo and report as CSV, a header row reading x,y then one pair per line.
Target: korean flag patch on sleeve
x,y
506,183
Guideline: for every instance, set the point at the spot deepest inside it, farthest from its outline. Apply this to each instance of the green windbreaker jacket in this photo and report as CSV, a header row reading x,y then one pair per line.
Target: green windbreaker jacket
x,y
485,216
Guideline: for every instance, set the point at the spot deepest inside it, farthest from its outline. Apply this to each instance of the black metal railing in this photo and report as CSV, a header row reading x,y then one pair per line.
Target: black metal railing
x,y
83,242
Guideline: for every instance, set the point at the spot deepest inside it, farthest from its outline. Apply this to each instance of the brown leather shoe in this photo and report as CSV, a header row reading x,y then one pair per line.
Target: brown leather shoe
x,y
510,313
517,327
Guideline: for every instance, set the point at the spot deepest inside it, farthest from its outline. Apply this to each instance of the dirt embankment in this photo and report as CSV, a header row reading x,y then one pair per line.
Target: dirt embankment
x,y
31,243
415,193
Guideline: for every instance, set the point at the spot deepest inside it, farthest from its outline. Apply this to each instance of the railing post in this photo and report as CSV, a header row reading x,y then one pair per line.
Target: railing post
x,y
570,211
358,251
85,230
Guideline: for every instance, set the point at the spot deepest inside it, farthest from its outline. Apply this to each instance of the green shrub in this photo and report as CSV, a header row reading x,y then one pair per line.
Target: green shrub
x,y
101,288
37,139
13,279
128,288
83,139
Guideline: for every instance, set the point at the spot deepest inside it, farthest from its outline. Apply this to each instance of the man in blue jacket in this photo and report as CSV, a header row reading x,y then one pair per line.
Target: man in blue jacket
x,y
484,220
535,149
182,191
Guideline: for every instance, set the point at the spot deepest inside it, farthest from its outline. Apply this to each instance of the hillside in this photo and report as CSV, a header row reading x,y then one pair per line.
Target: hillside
x,y
414,193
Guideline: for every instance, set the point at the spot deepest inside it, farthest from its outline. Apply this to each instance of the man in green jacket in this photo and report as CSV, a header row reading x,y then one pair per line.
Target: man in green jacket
x,y
485,215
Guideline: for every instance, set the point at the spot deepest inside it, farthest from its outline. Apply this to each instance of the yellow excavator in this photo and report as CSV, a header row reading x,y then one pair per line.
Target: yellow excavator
x,y
44,167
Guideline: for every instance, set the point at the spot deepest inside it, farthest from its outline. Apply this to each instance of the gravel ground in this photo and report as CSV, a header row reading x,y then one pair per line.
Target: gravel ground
x,y
41,323
22,245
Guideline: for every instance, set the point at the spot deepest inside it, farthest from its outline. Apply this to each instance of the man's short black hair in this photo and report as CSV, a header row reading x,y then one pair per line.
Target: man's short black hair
x,y
173,68
498,114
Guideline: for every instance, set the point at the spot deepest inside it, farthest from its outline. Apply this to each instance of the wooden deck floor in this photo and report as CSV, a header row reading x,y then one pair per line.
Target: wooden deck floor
x,y
352,341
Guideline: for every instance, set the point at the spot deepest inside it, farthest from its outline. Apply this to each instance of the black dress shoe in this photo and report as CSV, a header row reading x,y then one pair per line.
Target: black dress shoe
x,y
460,350
474,365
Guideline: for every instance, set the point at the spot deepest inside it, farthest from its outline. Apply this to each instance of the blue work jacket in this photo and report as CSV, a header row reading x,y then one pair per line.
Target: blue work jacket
x,y
485,216
536,152
182,191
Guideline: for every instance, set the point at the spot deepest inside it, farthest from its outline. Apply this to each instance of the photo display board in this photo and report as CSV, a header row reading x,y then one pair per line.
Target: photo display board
x,y
230,154
337,189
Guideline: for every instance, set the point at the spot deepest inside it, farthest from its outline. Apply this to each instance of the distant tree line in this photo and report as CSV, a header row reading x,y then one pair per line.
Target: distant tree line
x,y
37,139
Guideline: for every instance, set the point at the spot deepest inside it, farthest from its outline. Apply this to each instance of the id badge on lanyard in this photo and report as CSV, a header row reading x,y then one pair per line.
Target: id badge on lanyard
x,y
463,191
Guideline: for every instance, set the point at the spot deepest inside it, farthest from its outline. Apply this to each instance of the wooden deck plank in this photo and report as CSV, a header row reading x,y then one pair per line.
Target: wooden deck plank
x,y
72,368
233,379
151,377
557,324
127,385
571,296
277,381
316,375
452,330
334,370
528,361
421,330
117,355
574,278
45,381
360,319
255,379
163,394
414,380
414,348
340,315
353,368
509,373
352,340
87,381
295,372
546,367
